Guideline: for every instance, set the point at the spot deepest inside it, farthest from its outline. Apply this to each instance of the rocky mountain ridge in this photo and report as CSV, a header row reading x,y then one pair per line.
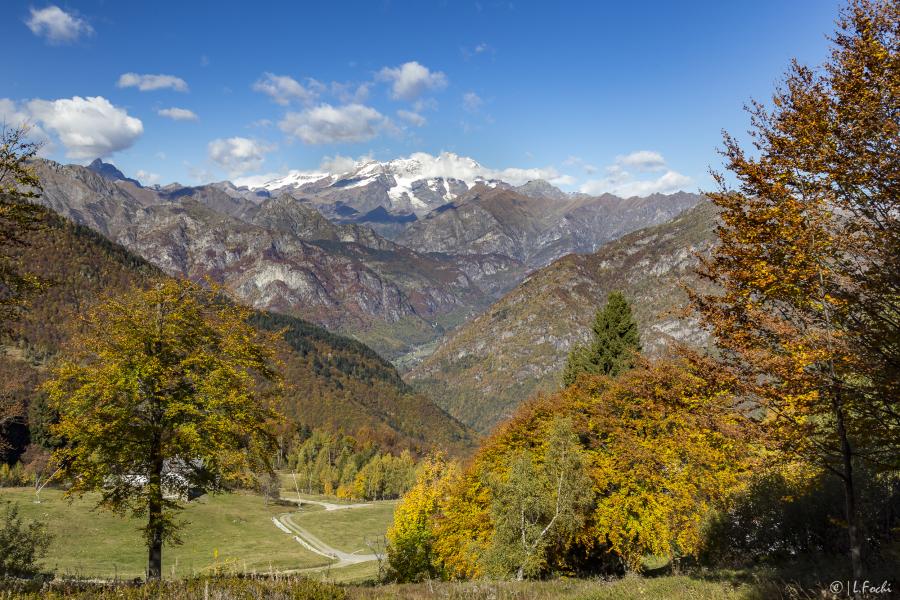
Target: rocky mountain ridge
x,y
279,254
487,367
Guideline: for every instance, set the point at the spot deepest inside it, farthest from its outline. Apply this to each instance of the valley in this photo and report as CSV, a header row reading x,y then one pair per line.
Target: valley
x,y
300,248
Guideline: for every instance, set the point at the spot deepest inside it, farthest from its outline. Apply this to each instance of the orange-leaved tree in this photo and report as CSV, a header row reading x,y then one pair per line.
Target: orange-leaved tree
x,y
808,312
659,448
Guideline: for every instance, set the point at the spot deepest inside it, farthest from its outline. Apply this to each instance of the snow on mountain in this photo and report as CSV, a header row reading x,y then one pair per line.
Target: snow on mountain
x,y
417,183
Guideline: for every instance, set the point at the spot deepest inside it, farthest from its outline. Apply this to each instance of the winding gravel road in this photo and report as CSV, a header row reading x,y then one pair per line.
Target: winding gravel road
x,y
285,523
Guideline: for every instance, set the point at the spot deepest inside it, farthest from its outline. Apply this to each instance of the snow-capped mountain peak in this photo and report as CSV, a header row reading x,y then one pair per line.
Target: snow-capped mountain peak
x,y
417,183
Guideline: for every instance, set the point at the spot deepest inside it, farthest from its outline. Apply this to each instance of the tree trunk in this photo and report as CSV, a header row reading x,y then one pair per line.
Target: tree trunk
x,y
155,516
849,490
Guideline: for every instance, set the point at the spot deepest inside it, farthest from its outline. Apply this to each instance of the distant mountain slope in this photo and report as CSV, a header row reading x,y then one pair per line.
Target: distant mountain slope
x,y
537,228
332,381
518,346
278,254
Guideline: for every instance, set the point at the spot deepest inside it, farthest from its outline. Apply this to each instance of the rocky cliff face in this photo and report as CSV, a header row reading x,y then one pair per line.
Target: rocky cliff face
x,y
276,253
486,368
539,228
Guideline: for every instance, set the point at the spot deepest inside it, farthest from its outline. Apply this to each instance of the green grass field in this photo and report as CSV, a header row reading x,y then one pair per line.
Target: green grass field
x,y
349,530
234,531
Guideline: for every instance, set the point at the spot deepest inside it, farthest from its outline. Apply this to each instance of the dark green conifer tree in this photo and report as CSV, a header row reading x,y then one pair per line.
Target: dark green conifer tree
x,y
615,346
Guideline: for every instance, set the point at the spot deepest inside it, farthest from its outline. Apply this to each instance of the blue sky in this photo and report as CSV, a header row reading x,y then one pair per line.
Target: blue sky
x,y
595,96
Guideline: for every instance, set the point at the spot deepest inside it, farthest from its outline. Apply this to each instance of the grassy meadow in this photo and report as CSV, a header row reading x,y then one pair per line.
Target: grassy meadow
x,y
229,532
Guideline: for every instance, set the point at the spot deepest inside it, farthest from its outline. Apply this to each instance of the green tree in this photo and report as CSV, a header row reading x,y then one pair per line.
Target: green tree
x,y
163,392
539,504
21,544
615,346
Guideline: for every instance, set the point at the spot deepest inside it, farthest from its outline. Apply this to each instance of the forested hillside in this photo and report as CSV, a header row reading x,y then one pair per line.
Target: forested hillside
x,y
332,382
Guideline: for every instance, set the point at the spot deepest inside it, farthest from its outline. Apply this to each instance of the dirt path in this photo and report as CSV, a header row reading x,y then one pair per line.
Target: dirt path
x,y
285,523
326,505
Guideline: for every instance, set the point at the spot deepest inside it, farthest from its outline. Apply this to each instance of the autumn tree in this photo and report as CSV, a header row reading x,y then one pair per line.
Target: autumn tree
x,y
19,186
672,445
538,503
809,257
18,215
609,468
410,552
615,346
163,391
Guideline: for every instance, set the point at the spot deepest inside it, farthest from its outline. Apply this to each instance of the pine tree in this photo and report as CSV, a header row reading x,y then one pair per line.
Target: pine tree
x,y
615,346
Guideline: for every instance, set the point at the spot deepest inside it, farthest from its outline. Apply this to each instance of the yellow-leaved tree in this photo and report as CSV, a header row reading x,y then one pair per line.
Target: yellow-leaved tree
x,y
162,394
411,537
808,264
608,467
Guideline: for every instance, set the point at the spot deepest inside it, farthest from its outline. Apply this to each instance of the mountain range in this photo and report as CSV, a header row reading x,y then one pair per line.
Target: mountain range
x,y
332,382
300,246
518,347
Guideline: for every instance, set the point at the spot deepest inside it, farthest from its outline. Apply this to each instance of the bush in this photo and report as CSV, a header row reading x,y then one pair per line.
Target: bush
x,y
21,544
220,588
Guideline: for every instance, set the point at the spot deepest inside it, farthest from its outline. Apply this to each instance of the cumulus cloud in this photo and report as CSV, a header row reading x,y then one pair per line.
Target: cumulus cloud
x,y
88,127
13,114
413,118
327,124
283,89
448,164
177,114
149,83
642,160
238,155
57,26
620,181
410,80
471,101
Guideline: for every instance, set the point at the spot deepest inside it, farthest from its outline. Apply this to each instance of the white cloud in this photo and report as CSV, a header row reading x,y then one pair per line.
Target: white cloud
x,y
448,164
327,124
642,160
283,89
15,115
57,26
238,155
146,177
413,118
471,101
620,181
149,83
410,80
88,127
177,114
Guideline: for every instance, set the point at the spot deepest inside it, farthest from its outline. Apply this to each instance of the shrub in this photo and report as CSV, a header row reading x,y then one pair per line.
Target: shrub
x,y
21,544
